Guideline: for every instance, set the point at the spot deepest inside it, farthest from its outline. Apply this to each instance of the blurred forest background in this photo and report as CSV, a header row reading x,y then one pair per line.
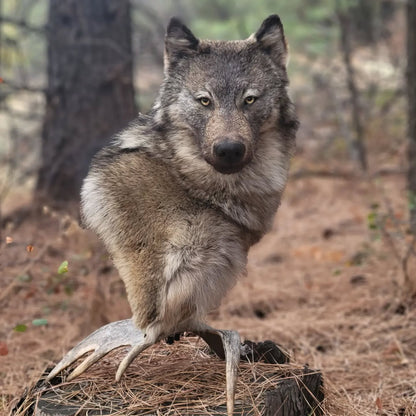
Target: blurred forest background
x,y
74,72
70,83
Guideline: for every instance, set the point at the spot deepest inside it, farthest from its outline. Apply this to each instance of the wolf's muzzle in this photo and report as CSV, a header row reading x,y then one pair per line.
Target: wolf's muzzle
x,y
229,156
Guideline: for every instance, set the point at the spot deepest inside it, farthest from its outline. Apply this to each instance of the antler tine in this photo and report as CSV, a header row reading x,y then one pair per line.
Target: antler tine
x,y
226,344
102,341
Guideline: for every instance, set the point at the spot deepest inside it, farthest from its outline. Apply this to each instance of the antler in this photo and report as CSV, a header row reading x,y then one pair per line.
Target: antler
x,y
102,341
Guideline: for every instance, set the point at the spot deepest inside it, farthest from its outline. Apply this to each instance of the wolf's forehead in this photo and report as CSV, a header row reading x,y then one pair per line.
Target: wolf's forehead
x,y
227,65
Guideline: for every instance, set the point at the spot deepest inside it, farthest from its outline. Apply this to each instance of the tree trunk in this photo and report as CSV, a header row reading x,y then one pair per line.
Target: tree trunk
x,y
358,148
90,92
411,91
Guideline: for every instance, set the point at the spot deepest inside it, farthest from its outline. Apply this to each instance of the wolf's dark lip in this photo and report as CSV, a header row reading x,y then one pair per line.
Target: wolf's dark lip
x,y
228,170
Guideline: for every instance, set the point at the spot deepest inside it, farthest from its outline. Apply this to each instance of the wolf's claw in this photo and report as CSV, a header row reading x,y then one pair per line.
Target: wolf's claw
x,y
101,342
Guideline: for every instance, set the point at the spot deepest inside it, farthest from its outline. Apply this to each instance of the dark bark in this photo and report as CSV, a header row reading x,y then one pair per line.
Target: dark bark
x,y
358,149
411,91
90,92
266,351
298,396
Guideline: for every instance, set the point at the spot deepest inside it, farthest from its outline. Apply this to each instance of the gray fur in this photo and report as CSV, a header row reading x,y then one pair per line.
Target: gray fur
x,y
177,226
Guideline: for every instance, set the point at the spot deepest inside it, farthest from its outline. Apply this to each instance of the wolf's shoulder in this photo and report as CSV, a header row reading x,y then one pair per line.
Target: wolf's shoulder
x,y
140,134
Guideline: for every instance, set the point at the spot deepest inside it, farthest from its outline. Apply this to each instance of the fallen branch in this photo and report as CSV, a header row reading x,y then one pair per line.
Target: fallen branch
x,y
23,25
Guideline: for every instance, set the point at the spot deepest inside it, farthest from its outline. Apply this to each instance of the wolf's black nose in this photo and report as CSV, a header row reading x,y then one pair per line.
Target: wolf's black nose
x,y
229,153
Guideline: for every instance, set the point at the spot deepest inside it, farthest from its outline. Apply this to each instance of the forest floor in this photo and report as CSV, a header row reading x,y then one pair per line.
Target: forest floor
x,y
324,283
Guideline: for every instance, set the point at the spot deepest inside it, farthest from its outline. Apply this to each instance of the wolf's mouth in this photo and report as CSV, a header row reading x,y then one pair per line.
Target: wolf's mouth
x,y
227,170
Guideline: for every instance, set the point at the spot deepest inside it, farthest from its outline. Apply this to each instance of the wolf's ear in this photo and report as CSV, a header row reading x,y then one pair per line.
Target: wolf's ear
x,y
271,39
179,41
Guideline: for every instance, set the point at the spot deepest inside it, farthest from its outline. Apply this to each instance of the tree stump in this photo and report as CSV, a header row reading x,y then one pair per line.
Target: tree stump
x,y
285,389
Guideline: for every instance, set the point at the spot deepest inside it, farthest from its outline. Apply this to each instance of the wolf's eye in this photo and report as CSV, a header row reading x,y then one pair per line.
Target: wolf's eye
x,y
250,99
205,101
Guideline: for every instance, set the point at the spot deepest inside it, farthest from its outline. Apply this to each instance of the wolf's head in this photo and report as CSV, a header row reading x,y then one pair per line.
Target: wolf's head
x,y
225,94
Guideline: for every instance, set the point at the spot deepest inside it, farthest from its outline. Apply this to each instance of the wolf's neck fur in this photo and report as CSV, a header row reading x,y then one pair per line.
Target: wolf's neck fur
x,y
249,197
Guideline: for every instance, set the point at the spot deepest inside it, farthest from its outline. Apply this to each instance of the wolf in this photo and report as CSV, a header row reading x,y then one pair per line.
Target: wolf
x,y
183,192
